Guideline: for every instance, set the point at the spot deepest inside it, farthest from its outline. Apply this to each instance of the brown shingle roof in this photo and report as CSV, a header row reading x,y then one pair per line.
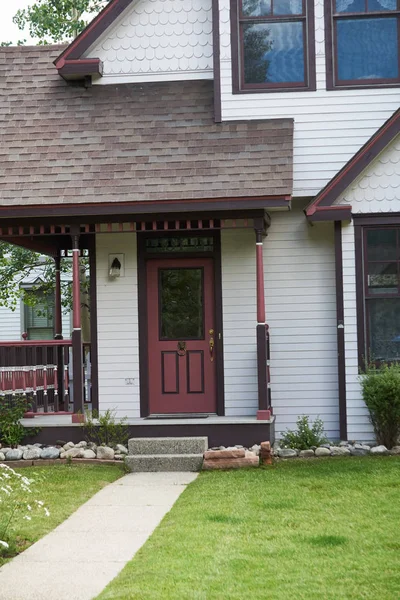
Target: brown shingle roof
x,y
61,143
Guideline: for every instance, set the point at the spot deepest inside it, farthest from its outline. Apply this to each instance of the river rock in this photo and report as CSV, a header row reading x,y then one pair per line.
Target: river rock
x,y
72,453
306,453
380,450
31,454
256,449
82,444
322,451
50,453
287,453
105,453
68,446
88,454
119,456
14,454
340,451
120,449
395,450
2,456
359,451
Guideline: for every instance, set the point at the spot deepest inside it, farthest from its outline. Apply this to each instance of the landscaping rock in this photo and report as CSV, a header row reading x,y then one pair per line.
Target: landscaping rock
x,y
72,453
306,453
239,446
358,451
231,463
256,449
105,453
380,450
344,444
362,447
119,456
220,454
287,453
61,442
15,454
121,449
5,450
68,446
82,444
325,446
395,450
50,453
88,454
2,456
31,454
322,451
340,451
92,446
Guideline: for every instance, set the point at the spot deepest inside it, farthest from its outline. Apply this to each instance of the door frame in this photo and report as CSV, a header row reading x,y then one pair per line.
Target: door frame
x,y
142,258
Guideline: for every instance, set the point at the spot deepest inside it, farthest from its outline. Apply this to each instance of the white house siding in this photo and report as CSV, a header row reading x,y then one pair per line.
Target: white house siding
x,y
117,318
301,312
376,190
330,126
158,40
10,323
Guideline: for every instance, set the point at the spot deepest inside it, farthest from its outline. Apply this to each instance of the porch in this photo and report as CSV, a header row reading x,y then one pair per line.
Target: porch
x,y
62,378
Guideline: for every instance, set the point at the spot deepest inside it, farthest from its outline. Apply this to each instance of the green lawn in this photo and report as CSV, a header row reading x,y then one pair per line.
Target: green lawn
x,y
314,530
63,490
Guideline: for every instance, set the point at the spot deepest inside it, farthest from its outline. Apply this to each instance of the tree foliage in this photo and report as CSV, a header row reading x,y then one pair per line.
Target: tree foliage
x,y
52,21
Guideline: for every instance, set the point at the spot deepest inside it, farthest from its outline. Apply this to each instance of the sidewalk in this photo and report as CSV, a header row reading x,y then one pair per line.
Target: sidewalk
x,y
83,554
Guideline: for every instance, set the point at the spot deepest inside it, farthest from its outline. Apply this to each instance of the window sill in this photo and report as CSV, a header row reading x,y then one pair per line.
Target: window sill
x,y
371,86
281,90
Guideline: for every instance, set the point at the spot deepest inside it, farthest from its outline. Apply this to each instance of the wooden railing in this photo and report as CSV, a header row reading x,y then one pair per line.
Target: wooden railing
x,y
42,371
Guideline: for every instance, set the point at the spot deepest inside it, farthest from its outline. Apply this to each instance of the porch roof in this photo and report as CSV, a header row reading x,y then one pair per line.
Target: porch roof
x,y
62,143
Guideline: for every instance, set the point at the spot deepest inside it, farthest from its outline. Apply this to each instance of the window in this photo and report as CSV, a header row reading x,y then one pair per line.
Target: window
x,y
362,42
273,45
39,319
382,293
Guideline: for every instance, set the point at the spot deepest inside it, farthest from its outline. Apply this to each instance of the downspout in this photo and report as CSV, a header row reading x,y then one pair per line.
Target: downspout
x,y
340,330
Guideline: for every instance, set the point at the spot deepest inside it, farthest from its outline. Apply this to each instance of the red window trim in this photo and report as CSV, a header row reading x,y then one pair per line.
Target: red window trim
x,y
238,86
332,82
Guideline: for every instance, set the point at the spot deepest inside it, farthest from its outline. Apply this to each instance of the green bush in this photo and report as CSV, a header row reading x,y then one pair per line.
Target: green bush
x,y
305,435
11,431
104,429
381,393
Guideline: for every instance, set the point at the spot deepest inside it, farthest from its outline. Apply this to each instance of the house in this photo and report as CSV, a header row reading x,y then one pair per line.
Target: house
x,y
232,168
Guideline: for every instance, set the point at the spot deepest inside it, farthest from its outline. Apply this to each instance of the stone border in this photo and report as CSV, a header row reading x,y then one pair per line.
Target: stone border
x,y
63,450
47,462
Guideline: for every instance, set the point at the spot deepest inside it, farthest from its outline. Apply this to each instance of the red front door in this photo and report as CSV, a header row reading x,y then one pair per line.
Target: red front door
x,y
181,335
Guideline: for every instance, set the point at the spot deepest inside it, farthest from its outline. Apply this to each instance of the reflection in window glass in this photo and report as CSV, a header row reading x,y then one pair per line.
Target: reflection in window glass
x,y
256,8
181,303
384,328
382,278
382,244
274,52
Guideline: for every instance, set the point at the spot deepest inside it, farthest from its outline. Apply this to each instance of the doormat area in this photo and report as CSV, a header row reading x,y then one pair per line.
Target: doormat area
x,y
178,416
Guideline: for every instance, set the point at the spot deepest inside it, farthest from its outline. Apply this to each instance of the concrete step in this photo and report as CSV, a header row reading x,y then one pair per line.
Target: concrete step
x,y
169,445
140,463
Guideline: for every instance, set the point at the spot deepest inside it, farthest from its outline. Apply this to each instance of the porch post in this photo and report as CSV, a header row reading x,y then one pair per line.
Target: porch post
x,y
59,397
264,409
77,349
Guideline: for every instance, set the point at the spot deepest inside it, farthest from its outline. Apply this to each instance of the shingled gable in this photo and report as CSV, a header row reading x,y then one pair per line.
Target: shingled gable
x,y
70,63
322,207
132,144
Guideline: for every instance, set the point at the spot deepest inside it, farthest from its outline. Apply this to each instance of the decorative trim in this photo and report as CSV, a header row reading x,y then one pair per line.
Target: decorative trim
x,y
340,330
356,165
94,352
79,69
331,213
216,61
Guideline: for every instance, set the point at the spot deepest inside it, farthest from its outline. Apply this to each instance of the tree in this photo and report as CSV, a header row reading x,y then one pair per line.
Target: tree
x,y
57,20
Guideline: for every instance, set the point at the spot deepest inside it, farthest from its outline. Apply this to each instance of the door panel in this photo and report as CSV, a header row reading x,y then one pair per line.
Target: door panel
x,y
181,325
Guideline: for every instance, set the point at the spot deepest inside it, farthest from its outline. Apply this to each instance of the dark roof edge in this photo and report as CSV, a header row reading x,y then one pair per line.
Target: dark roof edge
x,y
91,33
330,213
356,165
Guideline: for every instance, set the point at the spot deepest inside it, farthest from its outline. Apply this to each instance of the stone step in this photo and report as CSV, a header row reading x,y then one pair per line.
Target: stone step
x,y
140,463
169,445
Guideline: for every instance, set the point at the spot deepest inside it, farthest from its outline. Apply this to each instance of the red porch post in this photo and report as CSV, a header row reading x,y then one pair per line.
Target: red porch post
x,y
77,348
264,409
59,396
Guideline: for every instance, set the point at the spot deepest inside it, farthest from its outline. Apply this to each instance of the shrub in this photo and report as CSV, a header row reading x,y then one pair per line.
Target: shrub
x,y
305,435
104,429
381,393
11,431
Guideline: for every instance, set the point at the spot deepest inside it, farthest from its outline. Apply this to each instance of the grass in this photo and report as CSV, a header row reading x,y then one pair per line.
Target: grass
x,y
312,530
63,490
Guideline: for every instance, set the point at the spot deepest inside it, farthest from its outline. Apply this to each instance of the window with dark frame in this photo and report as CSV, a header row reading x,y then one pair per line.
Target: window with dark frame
x,y
39,319
362,42
273,45
381,286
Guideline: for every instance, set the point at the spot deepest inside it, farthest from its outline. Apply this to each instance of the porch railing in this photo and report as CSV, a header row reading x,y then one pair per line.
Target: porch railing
x,y
42,370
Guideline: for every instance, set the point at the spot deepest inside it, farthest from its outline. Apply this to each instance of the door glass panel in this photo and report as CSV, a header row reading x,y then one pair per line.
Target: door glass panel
x,y
181,301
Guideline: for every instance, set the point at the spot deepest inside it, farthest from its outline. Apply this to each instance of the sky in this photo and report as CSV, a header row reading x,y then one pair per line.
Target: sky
x,y
8,31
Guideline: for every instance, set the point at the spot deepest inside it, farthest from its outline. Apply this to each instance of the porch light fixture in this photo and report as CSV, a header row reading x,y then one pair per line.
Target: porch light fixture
x,y
115,265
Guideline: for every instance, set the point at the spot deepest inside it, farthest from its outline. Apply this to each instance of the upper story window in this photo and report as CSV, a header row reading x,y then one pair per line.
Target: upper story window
x,y
39,319
273,45
362,42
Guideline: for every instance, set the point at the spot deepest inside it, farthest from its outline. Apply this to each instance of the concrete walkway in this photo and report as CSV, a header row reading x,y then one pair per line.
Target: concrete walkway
x,y
83,554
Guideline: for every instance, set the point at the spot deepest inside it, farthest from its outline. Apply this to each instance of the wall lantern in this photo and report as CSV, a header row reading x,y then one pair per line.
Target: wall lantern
x,y
116,266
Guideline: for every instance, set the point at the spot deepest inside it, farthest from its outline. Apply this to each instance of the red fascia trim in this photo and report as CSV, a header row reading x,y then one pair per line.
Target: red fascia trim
x,y
93,31
329,213
359,161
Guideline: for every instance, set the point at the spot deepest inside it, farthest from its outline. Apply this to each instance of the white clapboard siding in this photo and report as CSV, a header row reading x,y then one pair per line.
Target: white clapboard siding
x,y
157,40
376,190
301,313
117,318
10,323
329,126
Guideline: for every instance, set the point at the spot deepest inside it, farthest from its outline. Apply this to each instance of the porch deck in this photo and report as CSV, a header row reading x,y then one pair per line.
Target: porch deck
x,y
224,431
